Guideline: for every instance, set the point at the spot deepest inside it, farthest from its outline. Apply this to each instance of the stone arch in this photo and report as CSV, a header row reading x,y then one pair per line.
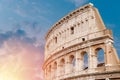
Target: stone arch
x,y
46,73
99,53
54,69
55,65
84,56
49,68
62,66
72,62
49,71
71,58
62,61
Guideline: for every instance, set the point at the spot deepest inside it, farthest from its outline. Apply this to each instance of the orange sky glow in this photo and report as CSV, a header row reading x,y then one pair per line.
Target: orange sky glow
x,y
20,63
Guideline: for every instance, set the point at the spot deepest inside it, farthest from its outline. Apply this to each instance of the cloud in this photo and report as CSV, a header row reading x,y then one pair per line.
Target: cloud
x,y
19,52
78,2
117,44
24,60
24,37
111,26
18,35
33,30
19,11
25,1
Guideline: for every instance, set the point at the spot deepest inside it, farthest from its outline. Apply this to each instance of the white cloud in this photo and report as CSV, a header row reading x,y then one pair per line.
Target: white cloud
x,y
111,26
79,2
21,60
20,11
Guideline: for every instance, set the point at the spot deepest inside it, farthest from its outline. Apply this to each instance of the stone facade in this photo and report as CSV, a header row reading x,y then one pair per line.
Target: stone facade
x,y
82,32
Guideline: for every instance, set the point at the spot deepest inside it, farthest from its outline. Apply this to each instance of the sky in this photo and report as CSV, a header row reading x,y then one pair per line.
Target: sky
x,y
24,23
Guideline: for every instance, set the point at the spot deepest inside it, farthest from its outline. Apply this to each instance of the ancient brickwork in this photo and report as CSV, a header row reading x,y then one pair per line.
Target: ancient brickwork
x,y
81,32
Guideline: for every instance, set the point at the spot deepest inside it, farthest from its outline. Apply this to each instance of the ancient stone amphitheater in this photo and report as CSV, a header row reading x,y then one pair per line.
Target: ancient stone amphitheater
x,y
81,32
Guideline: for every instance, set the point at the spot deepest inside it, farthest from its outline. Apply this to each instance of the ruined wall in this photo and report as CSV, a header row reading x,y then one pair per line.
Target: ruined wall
x,y
82,32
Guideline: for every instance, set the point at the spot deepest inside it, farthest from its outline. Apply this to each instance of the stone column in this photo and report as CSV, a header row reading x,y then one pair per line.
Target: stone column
x,y
67,65
79,61
49,75
53,73
92,60
58,69
111,57
45,74
108,44
68,34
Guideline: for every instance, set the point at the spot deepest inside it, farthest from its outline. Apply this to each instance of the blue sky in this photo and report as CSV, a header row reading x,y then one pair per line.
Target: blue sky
x,y
27,21
37,16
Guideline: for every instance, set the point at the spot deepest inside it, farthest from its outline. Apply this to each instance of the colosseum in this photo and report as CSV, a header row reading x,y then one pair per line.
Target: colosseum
x,y
80,33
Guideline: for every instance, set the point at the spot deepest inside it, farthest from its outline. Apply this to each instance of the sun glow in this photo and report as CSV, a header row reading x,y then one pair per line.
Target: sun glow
x,y
20,63
9,69
9,76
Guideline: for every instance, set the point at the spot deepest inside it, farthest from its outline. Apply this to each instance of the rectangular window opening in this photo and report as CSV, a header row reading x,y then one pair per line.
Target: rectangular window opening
x,y
55,39
72,30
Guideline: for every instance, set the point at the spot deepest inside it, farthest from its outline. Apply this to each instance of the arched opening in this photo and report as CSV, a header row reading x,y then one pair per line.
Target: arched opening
x,y
72,62
62,66
46,73
55,70
100,57
85,60
55,39
49,70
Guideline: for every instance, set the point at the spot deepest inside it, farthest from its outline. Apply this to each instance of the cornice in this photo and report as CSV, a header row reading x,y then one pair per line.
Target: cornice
x,y
67,17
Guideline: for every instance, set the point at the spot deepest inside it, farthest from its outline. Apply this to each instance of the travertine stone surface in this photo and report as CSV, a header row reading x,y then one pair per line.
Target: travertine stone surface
x,y
81,32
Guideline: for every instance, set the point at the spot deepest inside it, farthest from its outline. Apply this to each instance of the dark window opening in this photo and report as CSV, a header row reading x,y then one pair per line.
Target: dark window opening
x,y
72,30
85,59
78,23
82,22
86,20
55,39
83,39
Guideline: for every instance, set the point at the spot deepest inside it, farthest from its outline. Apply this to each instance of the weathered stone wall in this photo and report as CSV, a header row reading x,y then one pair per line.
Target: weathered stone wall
x,y
77,24
82,32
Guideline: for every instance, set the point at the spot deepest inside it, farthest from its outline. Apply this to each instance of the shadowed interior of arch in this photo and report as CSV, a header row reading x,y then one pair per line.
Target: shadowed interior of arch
x,y
85,60
55,66
62,64
72,60
100,57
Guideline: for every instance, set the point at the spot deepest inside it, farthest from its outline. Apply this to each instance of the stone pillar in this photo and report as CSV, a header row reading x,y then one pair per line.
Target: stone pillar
x,y
111,57
108,44
58,69
60,37
79,61
68,34
45,74
92,60
49,75
65,36
67,65
52,71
